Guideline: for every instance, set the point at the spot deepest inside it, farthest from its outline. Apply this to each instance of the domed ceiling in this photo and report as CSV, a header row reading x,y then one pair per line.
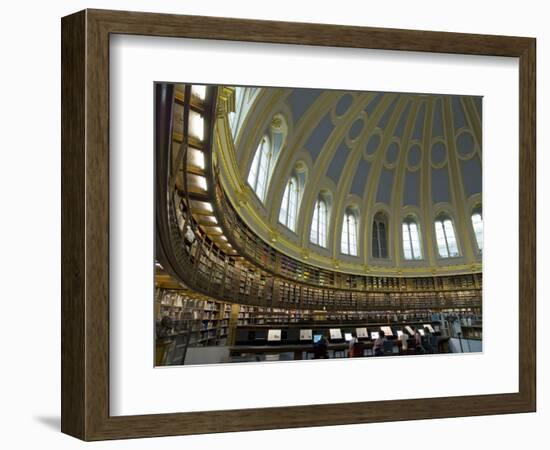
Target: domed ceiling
x,y
397,154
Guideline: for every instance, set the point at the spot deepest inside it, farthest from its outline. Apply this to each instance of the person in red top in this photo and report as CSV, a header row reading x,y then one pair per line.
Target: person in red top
x,y
356,347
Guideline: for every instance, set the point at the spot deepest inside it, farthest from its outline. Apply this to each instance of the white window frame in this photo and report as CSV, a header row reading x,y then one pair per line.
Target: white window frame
x,y
348,245
376,222
443,225
478,228
258,175
288,213
319,223
410,253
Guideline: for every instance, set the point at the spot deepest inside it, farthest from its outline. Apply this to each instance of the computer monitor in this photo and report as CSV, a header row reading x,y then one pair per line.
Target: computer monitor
x,y
260,335
317,338
421,331
387,331
399,333
306,335
348,337
374,335
335,333
409,330
274,336
361,332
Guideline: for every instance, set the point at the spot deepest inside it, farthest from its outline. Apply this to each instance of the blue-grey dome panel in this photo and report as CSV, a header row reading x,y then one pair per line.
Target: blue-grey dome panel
x,y
334,171
418,131
459,118
319,136
471,176
385,186
478,102
465,144
414,156
356,128
372,105
400,128
360,179
383,122
437,127
439,153
411,189
440,185
300,100
392,153
373,144
343,104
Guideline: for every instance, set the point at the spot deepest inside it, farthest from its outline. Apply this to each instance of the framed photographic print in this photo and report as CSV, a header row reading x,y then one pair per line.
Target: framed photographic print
x,y
258,208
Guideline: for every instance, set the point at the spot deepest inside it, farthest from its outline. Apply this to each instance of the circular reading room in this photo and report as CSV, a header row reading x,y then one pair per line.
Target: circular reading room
x,y
305,224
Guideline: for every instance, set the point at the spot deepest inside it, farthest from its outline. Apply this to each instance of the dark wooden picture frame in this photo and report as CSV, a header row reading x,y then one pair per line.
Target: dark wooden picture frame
x,y
85,224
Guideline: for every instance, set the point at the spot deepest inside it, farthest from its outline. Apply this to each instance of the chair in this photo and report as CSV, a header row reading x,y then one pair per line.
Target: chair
x,y
388,347
180,349
340,353
359,349
427,344
434,342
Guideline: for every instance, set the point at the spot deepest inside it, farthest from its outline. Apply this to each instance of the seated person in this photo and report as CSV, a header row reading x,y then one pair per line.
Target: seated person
x,y
164,327
427,341
404,342
418,342
320,349
356,347
378,347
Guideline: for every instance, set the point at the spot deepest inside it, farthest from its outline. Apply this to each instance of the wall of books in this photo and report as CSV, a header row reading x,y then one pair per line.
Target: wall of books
x,y
207,321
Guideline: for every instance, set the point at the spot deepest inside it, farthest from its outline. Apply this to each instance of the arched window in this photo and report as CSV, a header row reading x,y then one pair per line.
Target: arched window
x,y
349,234
319,223
233,116
477,223
289,206
445,235
411,240
259,170
379,238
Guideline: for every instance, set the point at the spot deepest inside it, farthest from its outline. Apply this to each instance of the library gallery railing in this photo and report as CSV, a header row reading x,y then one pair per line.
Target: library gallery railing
x,y
230,263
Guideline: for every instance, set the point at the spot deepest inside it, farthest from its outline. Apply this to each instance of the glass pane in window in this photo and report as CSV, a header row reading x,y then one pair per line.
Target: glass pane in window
x,y
263,170
477,223
451,240
199,92
383,242
441,242
283,213
322,223
345,236
352,235
292,203
253,174
415,241
196,125
315,225
407,249
375,246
